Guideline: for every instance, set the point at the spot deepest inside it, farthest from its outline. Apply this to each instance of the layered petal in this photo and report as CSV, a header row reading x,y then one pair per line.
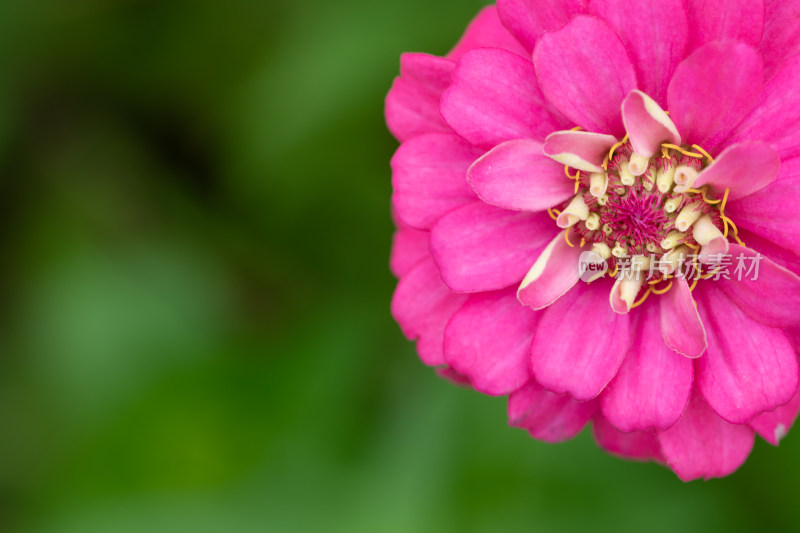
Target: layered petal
x,y
639,445
653,384
529,19
762,289
517,175
770,212
713,90
429,177
554,273
774,425
655,35
724,20
781,34
495,97
486,31
423,305
452,376
647,124
479,247
702,445
409,247
681,327
785,258
748,368
584,71
775,115
547,416
580,342
489,342
744,168
579,149
412,105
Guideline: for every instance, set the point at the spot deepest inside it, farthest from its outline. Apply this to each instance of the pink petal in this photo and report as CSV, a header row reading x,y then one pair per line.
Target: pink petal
x,y
639,446
547,416
785,258
702,445
495,98
429,177
655,36
743,168
793,334
580,342
585,73
412,105
554,273
516,175
529,19
772,299
769,212
409,247
479,247
653,384
713,90
774,425
775,115
647,124
722,20
579,149
681,327
489,341
781,34
748,368
486,31
453,377
423,305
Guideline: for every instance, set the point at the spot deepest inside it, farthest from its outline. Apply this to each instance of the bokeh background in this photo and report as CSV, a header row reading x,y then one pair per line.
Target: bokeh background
x,y
194,324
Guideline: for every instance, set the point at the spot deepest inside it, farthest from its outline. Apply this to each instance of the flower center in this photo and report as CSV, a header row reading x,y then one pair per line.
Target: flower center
x,y
643,217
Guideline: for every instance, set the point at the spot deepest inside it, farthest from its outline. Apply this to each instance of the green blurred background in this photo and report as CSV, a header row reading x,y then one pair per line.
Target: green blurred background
x,y
195,329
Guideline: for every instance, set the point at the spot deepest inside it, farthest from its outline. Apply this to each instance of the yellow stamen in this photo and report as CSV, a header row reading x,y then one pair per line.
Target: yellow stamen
x,y
643,298
703,192
712,274
699,149
614,273
566,237
710,202
553,213
692,246
617,146
727,221
681,150
583,243
576,128
724,201
665,290
577,175
694,272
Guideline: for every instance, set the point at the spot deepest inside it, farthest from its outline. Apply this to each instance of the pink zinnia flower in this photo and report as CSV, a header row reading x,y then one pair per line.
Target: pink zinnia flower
x,y
644,132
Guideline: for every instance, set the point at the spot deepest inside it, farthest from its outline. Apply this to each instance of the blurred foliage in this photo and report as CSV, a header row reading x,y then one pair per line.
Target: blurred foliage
x,y
195,328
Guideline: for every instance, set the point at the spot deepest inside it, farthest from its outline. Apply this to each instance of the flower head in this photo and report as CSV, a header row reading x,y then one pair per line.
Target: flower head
x,y
580,188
